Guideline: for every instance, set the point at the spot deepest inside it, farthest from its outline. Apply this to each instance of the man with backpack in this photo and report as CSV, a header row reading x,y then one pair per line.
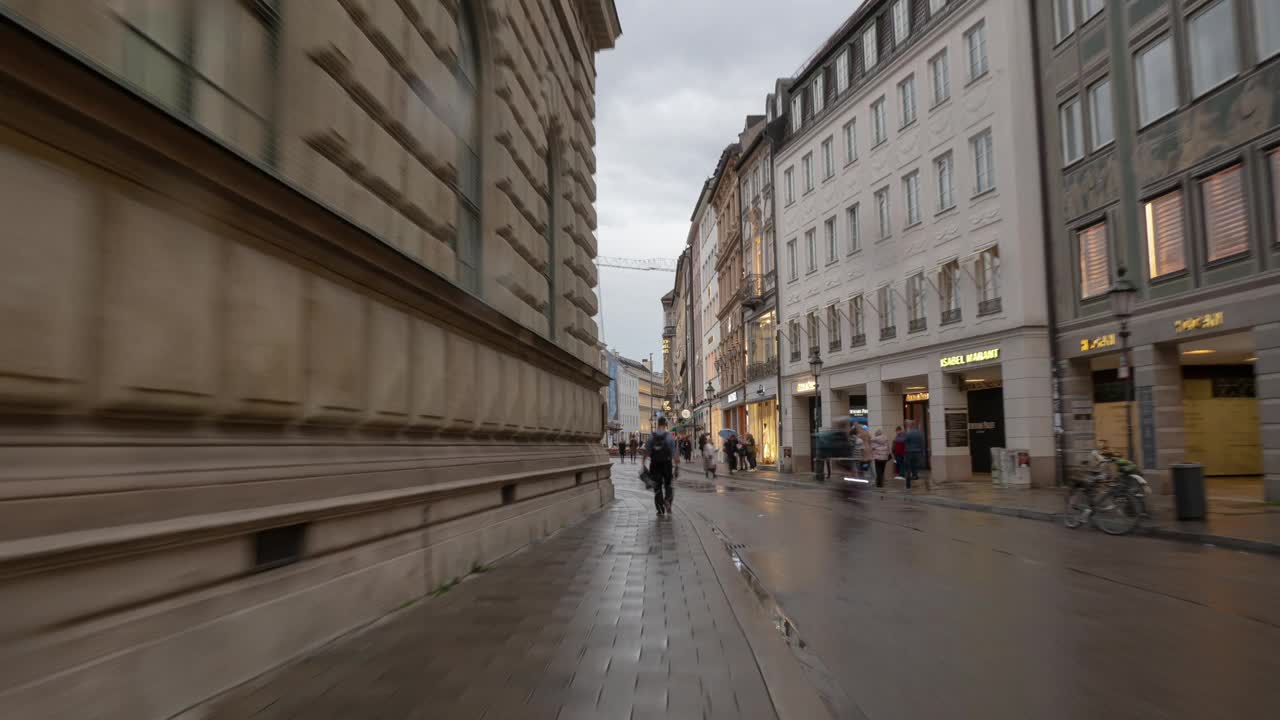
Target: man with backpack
x,y
660,451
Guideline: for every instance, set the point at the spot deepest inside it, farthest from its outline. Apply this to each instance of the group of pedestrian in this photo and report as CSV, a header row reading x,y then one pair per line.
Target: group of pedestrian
x,y
631,443
851,444
740,453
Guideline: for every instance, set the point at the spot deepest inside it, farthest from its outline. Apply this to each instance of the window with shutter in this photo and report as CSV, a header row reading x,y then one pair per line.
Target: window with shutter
x,y
1095,261
1226,216
1165,237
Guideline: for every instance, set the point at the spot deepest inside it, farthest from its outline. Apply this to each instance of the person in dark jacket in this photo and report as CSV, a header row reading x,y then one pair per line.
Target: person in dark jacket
x,y
899,454
913,440
731,452
750,443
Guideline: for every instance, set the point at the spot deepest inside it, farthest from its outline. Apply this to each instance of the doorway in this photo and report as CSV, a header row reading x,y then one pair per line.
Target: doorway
x,y
986,426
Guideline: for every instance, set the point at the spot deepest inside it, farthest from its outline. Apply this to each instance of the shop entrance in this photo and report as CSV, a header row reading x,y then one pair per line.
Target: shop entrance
x,y
1220,413
915,409
762,421
986,426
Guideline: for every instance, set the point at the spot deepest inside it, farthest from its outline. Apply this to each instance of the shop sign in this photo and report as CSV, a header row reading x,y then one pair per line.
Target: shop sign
x,y
733,398
686,414
806,386
918,397
1097,343
859,412
970,358
1207,321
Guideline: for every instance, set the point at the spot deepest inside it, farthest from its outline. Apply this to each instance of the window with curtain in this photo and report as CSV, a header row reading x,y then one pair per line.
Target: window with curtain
x,y
811,247
850,142
828,158
855,227
1214,50
829,237
1226,214
1103,129
834,339
792,262
870,56
940,78
806,169
878,131
1156,76
793,331
812,321
983,162
819,94
915,303
789,180
989,280
1072,131
857,322
842,70
1095,261
1165,238
911,191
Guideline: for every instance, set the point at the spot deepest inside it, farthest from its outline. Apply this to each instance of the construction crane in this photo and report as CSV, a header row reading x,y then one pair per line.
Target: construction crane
x,y
659,264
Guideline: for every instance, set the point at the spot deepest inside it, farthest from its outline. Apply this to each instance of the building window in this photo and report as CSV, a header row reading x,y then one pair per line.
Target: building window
x,y
811,248
915,303
869,54
975,39
789,180
769,261
829,236
857,322
946,182
911,191
989,281
794,331
791,258
1273,159
1157,81
842,71
878,122
812,327
855,227
828,159
1072,132
806,168
935,6
1093,7
833,329
949,292
1226,216
1064,19
467,73
907,100
1213,47
901,22
819,94
939,77
1165,247
1095,261
850,142
1267,19
797,107
983,162
1103,130
884,298
882,208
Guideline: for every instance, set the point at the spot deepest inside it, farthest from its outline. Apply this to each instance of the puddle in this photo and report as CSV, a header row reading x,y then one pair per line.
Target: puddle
x,y
832,696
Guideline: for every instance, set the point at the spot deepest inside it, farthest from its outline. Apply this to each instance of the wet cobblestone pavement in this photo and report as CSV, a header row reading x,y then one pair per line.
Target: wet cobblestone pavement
x,y
620,616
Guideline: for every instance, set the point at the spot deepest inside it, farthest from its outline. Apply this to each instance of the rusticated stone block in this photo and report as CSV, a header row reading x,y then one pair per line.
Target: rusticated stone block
x,y
161,277
463,377
336,353
46,251
430,380
389,337
264,353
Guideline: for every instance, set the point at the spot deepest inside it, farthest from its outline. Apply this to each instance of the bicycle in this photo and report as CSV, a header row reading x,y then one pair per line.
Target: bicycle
x,y
1114,502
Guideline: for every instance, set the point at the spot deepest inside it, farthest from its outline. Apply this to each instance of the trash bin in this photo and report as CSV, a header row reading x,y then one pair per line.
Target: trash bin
x,y
1188,491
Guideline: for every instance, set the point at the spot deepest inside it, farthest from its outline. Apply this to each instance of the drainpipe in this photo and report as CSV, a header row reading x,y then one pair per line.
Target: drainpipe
x,y
1046,241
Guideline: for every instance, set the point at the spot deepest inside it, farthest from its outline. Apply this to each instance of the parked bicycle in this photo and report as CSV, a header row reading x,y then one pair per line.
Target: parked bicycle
x,y
1112,496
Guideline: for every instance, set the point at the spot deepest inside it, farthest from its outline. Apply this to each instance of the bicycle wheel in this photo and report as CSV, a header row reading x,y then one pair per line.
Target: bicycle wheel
x,y
1077,504
1117,512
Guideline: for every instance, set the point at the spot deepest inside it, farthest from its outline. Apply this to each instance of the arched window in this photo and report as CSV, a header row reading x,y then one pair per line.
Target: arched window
x,y
467,106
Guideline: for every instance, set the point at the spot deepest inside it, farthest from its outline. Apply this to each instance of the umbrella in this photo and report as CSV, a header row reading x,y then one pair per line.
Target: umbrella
x,y
726,433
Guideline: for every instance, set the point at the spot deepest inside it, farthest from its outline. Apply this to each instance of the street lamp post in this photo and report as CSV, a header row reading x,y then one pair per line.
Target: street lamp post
x,y
815,366
1122,295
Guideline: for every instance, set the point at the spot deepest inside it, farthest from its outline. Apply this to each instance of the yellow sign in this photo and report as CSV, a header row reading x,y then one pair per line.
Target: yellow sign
x,y
1199,322
1097,343
806,386
917,396
973,357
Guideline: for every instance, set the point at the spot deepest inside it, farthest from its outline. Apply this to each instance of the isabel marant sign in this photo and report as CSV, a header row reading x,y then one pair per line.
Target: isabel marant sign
x,y
970,358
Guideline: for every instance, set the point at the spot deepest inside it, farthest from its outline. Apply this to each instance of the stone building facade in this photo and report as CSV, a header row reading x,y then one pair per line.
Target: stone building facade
x,y
1162,158
909,236
298,301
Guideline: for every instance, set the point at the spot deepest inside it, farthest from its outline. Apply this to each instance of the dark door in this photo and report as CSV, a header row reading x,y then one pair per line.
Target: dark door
x,y
918,412
986,426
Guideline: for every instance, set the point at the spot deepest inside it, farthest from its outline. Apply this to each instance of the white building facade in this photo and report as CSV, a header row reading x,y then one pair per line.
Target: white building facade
x,y
708,304
910,237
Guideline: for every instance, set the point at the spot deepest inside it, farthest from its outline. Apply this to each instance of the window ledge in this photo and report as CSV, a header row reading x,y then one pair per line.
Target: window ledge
x,y
807,193
850,163
880,144
991,192
833,261
948,210
977,78
913,225
941,103
854,251
1069,164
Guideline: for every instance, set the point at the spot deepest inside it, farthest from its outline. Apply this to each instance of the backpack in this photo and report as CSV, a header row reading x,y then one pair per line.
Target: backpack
x,y
659,451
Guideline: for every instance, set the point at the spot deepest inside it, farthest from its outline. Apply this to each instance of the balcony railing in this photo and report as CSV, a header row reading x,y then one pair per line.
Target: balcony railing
x,y
765,369
795,355
951,316
756,287
989,307
917,325
668,331
858,340
889,333
833,346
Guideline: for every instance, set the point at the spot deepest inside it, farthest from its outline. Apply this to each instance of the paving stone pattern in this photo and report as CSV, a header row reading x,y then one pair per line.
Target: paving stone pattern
x,y
620,616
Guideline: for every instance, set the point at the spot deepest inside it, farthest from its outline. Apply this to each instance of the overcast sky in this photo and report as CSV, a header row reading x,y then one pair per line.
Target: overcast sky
x,y
670,96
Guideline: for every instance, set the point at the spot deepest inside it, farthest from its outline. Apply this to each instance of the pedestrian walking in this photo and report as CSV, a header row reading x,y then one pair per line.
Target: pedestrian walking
x,y
708,456
899,454
913,441
880,455
635,446
731,452
749,442
663,457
